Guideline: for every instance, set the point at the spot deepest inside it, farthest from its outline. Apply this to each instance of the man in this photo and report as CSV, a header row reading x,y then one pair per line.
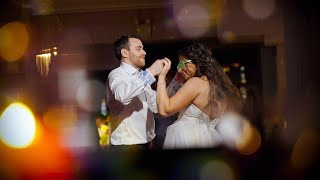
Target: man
x,y
130,98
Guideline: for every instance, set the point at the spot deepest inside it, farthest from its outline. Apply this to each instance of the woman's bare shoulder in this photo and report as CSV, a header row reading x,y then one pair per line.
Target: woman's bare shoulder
x,y
196,80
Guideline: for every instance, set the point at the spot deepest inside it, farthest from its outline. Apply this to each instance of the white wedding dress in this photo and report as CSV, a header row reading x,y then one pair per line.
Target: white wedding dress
x,y
192,129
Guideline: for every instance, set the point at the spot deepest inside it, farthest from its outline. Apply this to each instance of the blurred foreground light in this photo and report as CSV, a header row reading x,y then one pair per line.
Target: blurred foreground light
x,y
227,36
230,129
250,140
237,133
226,69
59,117
68,83
216,10
17,126
259,9
89,95
14,40
193,20
305,151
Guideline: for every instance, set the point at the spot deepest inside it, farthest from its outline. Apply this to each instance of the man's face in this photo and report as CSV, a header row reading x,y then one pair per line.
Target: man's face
x,y
136,54
189,69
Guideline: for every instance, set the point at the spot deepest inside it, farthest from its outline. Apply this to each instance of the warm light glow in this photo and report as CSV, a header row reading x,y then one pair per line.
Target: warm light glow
x,y
238,133
250,140
58,118
236,65
14,40
226,69
17,126
243,77
43,61
243,92
216,10
55,51
227,36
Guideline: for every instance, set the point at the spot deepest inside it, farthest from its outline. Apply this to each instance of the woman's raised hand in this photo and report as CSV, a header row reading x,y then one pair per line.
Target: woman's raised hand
x,y
166,66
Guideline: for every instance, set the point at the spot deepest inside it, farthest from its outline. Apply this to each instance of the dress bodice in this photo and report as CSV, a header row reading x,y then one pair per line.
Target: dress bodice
x,y
192,129
193,113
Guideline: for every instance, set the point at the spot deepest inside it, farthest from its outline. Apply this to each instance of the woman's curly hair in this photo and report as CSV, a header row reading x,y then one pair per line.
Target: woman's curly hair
x,y
221,88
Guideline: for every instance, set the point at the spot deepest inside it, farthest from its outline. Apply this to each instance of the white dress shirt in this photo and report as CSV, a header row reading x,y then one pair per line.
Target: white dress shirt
x,y
131,102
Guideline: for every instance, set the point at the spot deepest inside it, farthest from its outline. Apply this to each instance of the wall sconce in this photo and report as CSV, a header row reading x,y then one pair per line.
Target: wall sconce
x,y
43,60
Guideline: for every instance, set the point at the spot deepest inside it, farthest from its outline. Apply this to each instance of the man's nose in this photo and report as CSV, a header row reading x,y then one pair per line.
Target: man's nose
x,y
144,52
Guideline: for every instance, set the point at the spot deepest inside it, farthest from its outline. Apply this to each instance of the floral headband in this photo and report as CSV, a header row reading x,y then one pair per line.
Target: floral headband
x,y
182,64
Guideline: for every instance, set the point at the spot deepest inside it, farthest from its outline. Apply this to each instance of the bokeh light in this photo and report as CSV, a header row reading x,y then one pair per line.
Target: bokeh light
x,y
195,18
59,117
230,129
68,83
14,40
89,95
192,20
81,134
250,140
227,36
238,133
258,9
17,126
216,10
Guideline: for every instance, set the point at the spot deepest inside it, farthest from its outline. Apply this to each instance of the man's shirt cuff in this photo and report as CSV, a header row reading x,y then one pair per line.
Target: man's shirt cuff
x,y
147,77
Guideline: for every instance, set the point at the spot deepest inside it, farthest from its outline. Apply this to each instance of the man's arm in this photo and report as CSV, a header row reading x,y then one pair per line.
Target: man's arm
x,y
125,88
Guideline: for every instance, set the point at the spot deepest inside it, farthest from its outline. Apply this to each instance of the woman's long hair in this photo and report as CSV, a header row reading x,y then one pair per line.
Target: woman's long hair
x,y
222,91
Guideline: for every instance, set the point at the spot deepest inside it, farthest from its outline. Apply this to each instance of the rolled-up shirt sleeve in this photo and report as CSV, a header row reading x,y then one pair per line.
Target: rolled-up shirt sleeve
x,y
147,77
126,88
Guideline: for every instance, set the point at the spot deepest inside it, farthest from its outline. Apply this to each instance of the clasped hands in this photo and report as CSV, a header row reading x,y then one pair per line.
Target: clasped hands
x,y
160,67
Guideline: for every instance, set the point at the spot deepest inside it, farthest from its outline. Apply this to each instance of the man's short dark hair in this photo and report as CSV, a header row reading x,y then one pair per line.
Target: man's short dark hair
x,y
122,42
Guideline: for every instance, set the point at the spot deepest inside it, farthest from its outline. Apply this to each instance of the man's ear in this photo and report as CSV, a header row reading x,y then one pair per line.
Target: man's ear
x,y
124,53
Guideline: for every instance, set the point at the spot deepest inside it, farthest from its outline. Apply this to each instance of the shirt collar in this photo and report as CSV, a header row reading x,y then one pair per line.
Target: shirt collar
x,y
130,69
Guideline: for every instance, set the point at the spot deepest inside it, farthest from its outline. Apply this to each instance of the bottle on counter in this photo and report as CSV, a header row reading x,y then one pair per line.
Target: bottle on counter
x,y
104,124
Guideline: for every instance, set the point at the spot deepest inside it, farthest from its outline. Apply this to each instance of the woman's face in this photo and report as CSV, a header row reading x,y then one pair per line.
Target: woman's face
x,y
189,69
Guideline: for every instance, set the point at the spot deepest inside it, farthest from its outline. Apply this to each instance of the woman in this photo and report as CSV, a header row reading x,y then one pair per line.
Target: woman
x,y
202,101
